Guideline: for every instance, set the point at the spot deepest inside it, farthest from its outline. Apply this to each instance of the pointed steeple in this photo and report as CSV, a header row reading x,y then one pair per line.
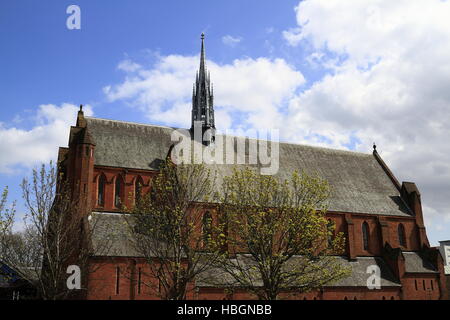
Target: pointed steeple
x,y
202,98
203,57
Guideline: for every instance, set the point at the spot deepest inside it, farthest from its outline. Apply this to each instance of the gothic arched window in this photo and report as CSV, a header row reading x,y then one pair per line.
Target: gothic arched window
x,y
101,190
138,189
330,232
118,191
365,235
401,235
206,227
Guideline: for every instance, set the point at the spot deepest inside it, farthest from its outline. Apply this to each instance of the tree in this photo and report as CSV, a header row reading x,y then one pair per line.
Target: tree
x,y
173,231
278,238
7,218
56,235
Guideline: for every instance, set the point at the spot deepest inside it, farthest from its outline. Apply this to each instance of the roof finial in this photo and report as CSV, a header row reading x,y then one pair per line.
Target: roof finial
x,y
374,147
203,35
81,122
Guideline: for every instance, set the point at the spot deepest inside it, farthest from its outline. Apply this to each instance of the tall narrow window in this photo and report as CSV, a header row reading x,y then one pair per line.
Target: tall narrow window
x,y
365,234
118,192
415,284
401,235
139,280
101,190
137,189
206,228
153,193
117,280
330,232
423,283
432,286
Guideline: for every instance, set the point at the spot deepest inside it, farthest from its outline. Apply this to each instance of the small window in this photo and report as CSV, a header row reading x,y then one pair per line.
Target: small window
x,y
415,283
365,234
432,285
401,235
384,298
101,190
423,283
392,298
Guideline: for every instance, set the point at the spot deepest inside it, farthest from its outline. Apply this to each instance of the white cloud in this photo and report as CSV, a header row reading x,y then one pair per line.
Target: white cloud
x,y
230,40
40,143
257,89
128,66
389,85
292,36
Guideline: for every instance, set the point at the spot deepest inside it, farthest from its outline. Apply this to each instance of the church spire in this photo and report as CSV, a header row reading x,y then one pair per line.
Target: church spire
x,y
202,99
203,57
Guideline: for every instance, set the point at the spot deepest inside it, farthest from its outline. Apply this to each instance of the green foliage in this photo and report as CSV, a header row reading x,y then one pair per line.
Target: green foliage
x,y
167,225
7,213
282,228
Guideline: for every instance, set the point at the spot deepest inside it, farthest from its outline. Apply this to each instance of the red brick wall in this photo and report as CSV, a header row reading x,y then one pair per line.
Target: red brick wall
x,y
374,236
361,294
427,287
102,286
412,241
129,177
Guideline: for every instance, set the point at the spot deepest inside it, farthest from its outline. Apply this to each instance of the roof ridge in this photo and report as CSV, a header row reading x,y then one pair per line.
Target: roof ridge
x,y
236,136
133,123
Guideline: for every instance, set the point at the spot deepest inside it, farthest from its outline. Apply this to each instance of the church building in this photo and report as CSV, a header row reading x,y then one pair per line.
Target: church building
x,y
381,218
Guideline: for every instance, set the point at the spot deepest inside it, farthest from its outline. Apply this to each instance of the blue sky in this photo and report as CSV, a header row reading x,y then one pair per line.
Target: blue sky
x,y
327,73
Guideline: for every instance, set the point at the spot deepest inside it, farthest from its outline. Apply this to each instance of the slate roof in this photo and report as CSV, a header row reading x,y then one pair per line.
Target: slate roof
x,y
112,235
357,278
414,263
358,182
359,275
